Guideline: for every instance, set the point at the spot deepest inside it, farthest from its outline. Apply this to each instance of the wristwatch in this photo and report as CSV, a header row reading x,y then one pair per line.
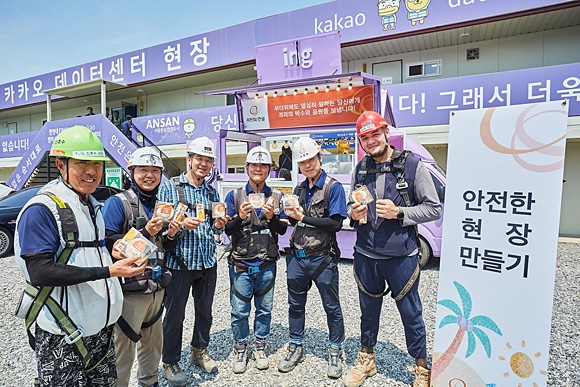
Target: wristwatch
x,y
401,214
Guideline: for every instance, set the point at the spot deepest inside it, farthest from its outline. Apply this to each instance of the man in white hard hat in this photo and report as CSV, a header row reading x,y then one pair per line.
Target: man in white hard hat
x,y
139,326
254,229
314,255
192,262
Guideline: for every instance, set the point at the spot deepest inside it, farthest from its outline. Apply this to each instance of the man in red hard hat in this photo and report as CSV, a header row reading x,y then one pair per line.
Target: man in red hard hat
x,y
387,245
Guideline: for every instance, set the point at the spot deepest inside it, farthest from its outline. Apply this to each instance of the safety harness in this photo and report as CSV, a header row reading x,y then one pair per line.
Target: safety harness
x,y
397,168
41,295
178,184
247,229
135,216
332,248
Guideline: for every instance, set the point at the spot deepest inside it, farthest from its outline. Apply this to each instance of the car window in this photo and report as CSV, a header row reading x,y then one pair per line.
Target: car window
x,y
19,198
103,193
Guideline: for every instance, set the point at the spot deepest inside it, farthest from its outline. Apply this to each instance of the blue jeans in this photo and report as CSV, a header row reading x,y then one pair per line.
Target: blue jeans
x,y
248,285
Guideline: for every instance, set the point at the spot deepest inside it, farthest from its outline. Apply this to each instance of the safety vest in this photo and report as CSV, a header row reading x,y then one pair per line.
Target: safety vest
x,y
80,310
254,239
386,236
309,238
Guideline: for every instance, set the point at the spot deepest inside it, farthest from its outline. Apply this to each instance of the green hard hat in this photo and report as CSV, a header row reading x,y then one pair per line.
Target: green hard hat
x,y
78,143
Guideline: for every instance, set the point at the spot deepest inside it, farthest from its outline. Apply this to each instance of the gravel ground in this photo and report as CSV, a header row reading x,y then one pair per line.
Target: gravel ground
x,y
17,364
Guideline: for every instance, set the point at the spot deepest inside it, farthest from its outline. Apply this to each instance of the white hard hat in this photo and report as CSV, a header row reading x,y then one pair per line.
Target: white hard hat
x,y
144,157
259,155
305,148
202,146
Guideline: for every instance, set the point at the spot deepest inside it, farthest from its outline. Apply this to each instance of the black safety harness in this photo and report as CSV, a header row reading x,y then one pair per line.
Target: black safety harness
x,y
137,218
249,228
332,248
181,199
42,295
397,167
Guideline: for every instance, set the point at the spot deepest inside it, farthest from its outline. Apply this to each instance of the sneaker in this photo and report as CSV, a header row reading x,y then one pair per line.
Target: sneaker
x,y
364,367
422,376
260,356
200,357
294,356
334,363
240,362
174,374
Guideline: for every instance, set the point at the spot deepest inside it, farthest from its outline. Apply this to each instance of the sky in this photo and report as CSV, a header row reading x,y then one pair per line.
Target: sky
x,y
40,36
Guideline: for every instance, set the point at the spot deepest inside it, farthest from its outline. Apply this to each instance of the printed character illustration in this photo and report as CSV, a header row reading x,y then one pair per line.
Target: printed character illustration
x,y
418,10
189,127
388,10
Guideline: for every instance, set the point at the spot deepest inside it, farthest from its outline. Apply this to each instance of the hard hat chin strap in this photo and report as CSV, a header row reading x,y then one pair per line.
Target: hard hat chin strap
x,y
84,198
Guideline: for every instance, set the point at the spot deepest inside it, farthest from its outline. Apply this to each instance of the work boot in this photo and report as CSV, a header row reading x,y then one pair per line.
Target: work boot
x,y
294,356
240,362
174,374
200,357
260,356
334,363
422,376
364,366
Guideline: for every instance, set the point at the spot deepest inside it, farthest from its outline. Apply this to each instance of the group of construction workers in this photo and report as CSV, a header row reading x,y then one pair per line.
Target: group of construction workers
x,y
90,326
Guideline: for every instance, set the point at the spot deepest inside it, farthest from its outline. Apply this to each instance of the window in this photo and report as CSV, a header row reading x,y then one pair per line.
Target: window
x,y
424,69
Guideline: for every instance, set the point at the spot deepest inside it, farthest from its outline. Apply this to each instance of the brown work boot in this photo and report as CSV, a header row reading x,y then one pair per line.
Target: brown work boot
x,y
422,376
364,366
200,357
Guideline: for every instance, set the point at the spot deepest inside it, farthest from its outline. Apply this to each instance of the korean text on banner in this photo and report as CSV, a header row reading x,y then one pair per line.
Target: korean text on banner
x,y
341,106
500,236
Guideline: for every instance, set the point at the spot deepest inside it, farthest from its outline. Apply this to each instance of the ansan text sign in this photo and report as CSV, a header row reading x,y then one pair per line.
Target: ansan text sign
x,y
331,107
500,239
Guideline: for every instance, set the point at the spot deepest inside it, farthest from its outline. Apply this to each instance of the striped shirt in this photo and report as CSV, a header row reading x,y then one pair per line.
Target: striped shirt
x,y
197,248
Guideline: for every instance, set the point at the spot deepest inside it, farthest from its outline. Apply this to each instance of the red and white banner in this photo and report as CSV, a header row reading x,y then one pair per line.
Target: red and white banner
x,y
312,109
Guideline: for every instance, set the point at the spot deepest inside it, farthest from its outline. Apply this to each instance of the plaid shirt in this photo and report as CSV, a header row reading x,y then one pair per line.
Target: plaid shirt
x,y
197,248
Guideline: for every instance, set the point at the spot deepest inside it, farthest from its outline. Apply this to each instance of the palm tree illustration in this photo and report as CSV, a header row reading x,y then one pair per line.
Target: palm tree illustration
x,y
461,317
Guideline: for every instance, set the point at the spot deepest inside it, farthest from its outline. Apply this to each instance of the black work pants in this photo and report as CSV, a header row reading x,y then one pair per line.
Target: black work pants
x,y
176,297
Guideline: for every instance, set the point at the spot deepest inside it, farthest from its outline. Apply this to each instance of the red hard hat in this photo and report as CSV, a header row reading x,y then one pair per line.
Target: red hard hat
x,y
368,122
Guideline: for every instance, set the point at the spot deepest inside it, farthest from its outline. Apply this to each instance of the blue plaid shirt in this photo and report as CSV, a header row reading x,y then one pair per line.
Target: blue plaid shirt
x,y
197,248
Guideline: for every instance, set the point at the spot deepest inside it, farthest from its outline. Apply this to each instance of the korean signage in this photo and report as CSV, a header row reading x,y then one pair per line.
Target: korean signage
x,y
164,60
179,127
500,236
117,146
309,57
14,145
355,20
429,103
312,109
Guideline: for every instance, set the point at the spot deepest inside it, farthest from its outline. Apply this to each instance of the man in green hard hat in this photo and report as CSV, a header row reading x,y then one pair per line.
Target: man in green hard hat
x,y
60,252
